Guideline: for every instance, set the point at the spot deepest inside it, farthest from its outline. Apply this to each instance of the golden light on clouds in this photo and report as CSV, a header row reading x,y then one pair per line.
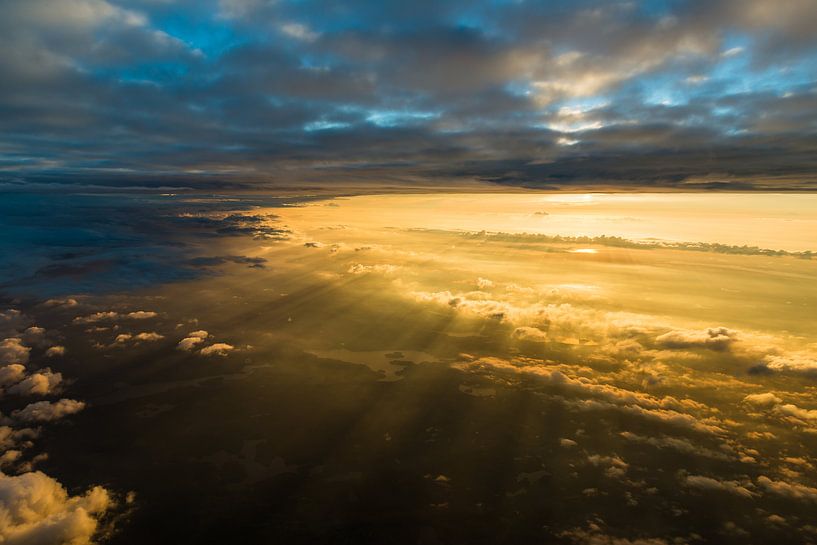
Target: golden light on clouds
x,y
647,349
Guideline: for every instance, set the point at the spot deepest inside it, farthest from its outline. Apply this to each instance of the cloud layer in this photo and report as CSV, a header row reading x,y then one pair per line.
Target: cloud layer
x,y
703,93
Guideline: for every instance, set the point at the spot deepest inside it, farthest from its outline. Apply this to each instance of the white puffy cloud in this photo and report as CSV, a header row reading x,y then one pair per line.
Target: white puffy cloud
x,y
112,316
145,336
141,315
789,490
797,362
35,509
12,321
54,351
484,283
34,331
12,350
796,412
45,411
217,349
709,484
766,399
533,334
16,438
380,268
41,383
614,467
715,338
68,302
97,317
148,336
679,444
774,406
12,374
594,536
193,338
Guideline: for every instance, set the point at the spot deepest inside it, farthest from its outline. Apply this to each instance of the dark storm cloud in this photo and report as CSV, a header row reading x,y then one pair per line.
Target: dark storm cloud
x,y
231,92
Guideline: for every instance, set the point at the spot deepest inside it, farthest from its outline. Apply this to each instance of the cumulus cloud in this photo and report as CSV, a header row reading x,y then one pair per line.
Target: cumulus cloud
x,y
46,411
217,349
130,339
793,491
141,314
55,351
766,399
789,409
679,444
484,283
112,316
12,321
20,438
12,350
192,339
12,374
68,302
588,394
529,334
41,383
714,338
708,484
380,268
148,336
796,362
35,508
774,407
594,535
614,467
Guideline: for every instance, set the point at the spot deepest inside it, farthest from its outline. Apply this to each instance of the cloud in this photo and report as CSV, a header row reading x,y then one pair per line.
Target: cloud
x,y
41,383
45,411
252,262
529,334
54,351
12,321
614,466
35,508
217,349
680,444
20,438
787,490
12,374
393,94
804,362
112,316
68,302
484,283
148,336
192,339
595,536
381,268
12,350
713,338
129,338
708,484
797,412
766,399
775,407
141,315
598,396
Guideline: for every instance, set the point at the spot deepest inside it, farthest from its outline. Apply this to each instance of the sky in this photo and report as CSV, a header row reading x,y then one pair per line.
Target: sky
x,y
718,94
